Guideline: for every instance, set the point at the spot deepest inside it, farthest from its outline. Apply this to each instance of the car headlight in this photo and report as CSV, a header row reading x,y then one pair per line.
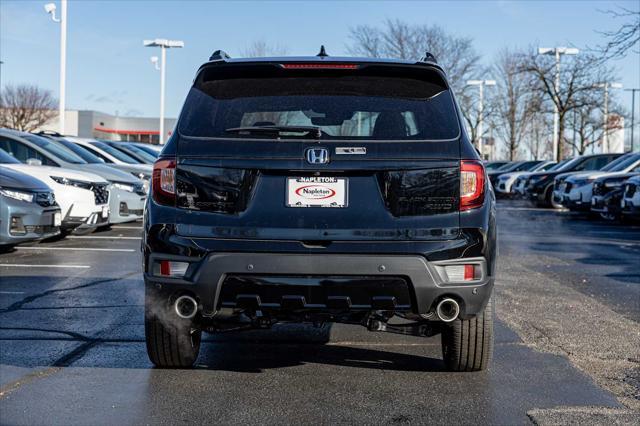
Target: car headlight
x,y
71,182
17,195
613,184
123,186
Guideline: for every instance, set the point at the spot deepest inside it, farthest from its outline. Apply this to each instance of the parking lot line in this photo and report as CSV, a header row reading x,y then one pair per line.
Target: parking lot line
x,y
76,248
126,227
11,292
24,265
99,237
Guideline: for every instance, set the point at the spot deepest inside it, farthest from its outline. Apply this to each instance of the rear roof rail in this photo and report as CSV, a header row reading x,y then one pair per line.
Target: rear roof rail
x,y
428,57
219,55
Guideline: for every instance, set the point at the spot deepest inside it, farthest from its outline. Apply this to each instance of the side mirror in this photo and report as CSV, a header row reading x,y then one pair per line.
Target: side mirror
x,y
34,162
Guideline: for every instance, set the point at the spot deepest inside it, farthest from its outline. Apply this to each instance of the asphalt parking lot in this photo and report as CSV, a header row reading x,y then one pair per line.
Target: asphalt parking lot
x,y
72,345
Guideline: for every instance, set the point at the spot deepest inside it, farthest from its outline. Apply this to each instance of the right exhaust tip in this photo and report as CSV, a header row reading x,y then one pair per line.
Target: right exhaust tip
x,y
186,307
448,310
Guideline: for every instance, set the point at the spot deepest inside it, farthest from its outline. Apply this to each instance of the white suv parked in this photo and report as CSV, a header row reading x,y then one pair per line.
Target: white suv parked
x,y
83,197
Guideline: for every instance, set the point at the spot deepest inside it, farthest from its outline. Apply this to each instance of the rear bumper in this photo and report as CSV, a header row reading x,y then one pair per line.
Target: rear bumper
x,y
322,282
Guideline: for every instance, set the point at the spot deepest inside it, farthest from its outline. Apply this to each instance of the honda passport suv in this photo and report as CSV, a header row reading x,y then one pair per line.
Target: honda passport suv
x,y
319,190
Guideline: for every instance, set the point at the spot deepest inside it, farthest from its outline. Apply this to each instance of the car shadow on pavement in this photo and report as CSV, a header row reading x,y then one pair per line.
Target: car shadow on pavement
x,y
256,358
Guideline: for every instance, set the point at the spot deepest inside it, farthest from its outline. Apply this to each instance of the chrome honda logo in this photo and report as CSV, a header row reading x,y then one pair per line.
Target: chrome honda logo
x,y
317,156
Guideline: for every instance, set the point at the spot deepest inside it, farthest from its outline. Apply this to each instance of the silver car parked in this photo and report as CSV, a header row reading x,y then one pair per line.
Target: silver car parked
x,y
28,209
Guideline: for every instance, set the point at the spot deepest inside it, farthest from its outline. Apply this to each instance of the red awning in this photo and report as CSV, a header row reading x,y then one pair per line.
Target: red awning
x,y
127,132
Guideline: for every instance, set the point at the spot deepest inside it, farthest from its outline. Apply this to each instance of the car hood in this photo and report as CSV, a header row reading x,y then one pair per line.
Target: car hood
x,y
17,180
616,175
44,172
107,172
585,175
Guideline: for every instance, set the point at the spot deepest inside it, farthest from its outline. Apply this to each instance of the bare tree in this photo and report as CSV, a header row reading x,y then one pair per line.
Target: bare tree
x,y
537,140
398,39
26,107
626,38
579,75
513,102
469,106
260,48
587,123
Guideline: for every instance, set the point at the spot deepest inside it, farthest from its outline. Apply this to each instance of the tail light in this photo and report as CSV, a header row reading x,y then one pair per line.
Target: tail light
x,y
471,184
163,185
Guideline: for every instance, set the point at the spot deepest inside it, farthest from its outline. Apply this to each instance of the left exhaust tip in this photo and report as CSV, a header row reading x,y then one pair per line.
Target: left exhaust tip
x,y
186,307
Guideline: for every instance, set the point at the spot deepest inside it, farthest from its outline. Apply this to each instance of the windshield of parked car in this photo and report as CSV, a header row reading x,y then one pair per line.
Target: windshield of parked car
x,y
544,166
142,154
148,150
414,105
58,150
6,158
621,163
119,155
493,166
81,152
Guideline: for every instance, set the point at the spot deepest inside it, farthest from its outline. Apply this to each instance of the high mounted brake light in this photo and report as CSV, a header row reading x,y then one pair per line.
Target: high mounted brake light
x,y
471,184
163,185
321,66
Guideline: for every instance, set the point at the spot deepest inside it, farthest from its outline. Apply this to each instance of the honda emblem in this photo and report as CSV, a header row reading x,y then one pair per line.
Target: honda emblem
x,y
317,156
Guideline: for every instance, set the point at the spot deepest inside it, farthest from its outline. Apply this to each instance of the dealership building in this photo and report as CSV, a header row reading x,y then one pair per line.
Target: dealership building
x,y
95,124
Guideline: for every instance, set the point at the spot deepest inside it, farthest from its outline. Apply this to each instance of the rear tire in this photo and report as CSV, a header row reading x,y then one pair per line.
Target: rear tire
x,y
172,342
467,345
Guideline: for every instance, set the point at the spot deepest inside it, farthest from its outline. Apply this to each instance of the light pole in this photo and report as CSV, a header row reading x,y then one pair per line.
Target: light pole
x,y
481,84
163,44
50,8
605,113
557,51
633,109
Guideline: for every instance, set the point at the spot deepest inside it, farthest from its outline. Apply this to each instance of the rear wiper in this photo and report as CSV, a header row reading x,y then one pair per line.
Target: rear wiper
x,y
310,130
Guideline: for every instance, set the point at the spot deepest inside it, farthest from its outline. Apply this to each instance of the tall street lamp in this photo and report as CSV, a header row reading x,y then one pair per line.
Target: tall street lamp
x,y
481,84
163,44
557,51
633,109
50,8
605,135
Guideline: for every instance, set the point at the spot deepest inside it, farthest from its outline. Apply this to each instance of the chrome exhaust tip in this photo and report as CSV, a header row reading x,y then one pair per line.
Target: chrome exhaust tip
x,y
448,310
186,307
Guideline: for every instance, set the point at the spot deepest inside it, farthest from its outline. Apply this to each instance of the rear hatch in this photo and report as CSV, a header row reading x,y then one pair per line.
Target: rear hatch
x,y
318,152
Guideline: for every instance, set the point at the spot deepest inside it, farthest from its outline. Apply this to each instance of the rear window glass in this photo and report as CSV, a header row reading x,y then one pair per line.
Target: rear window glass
x,y
347,107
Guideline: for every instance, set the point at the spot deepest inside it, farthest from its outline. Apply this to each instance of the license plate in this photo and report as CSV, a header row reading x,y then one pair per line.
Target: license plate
x,y
316,191
57,219
105,212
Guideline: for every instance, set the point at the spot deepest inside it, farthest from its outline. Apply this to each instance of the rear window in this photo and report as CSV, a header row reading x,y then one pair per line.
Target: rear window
x,y
350,105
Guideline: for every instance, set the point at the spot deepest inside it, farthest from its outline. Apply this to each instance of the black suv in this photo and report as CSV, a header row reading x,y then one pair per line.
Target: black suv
x,y
320,189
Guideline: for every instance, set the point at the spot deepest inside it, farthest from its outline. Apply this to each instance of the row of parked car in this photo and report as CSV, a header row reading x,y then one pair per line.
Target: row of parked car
x,y
53,185
605,184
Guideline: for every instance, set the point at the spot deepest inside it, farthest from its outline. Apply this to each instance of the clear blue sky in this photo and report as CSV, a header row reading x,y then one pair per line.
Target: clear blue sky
x,y
109,69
